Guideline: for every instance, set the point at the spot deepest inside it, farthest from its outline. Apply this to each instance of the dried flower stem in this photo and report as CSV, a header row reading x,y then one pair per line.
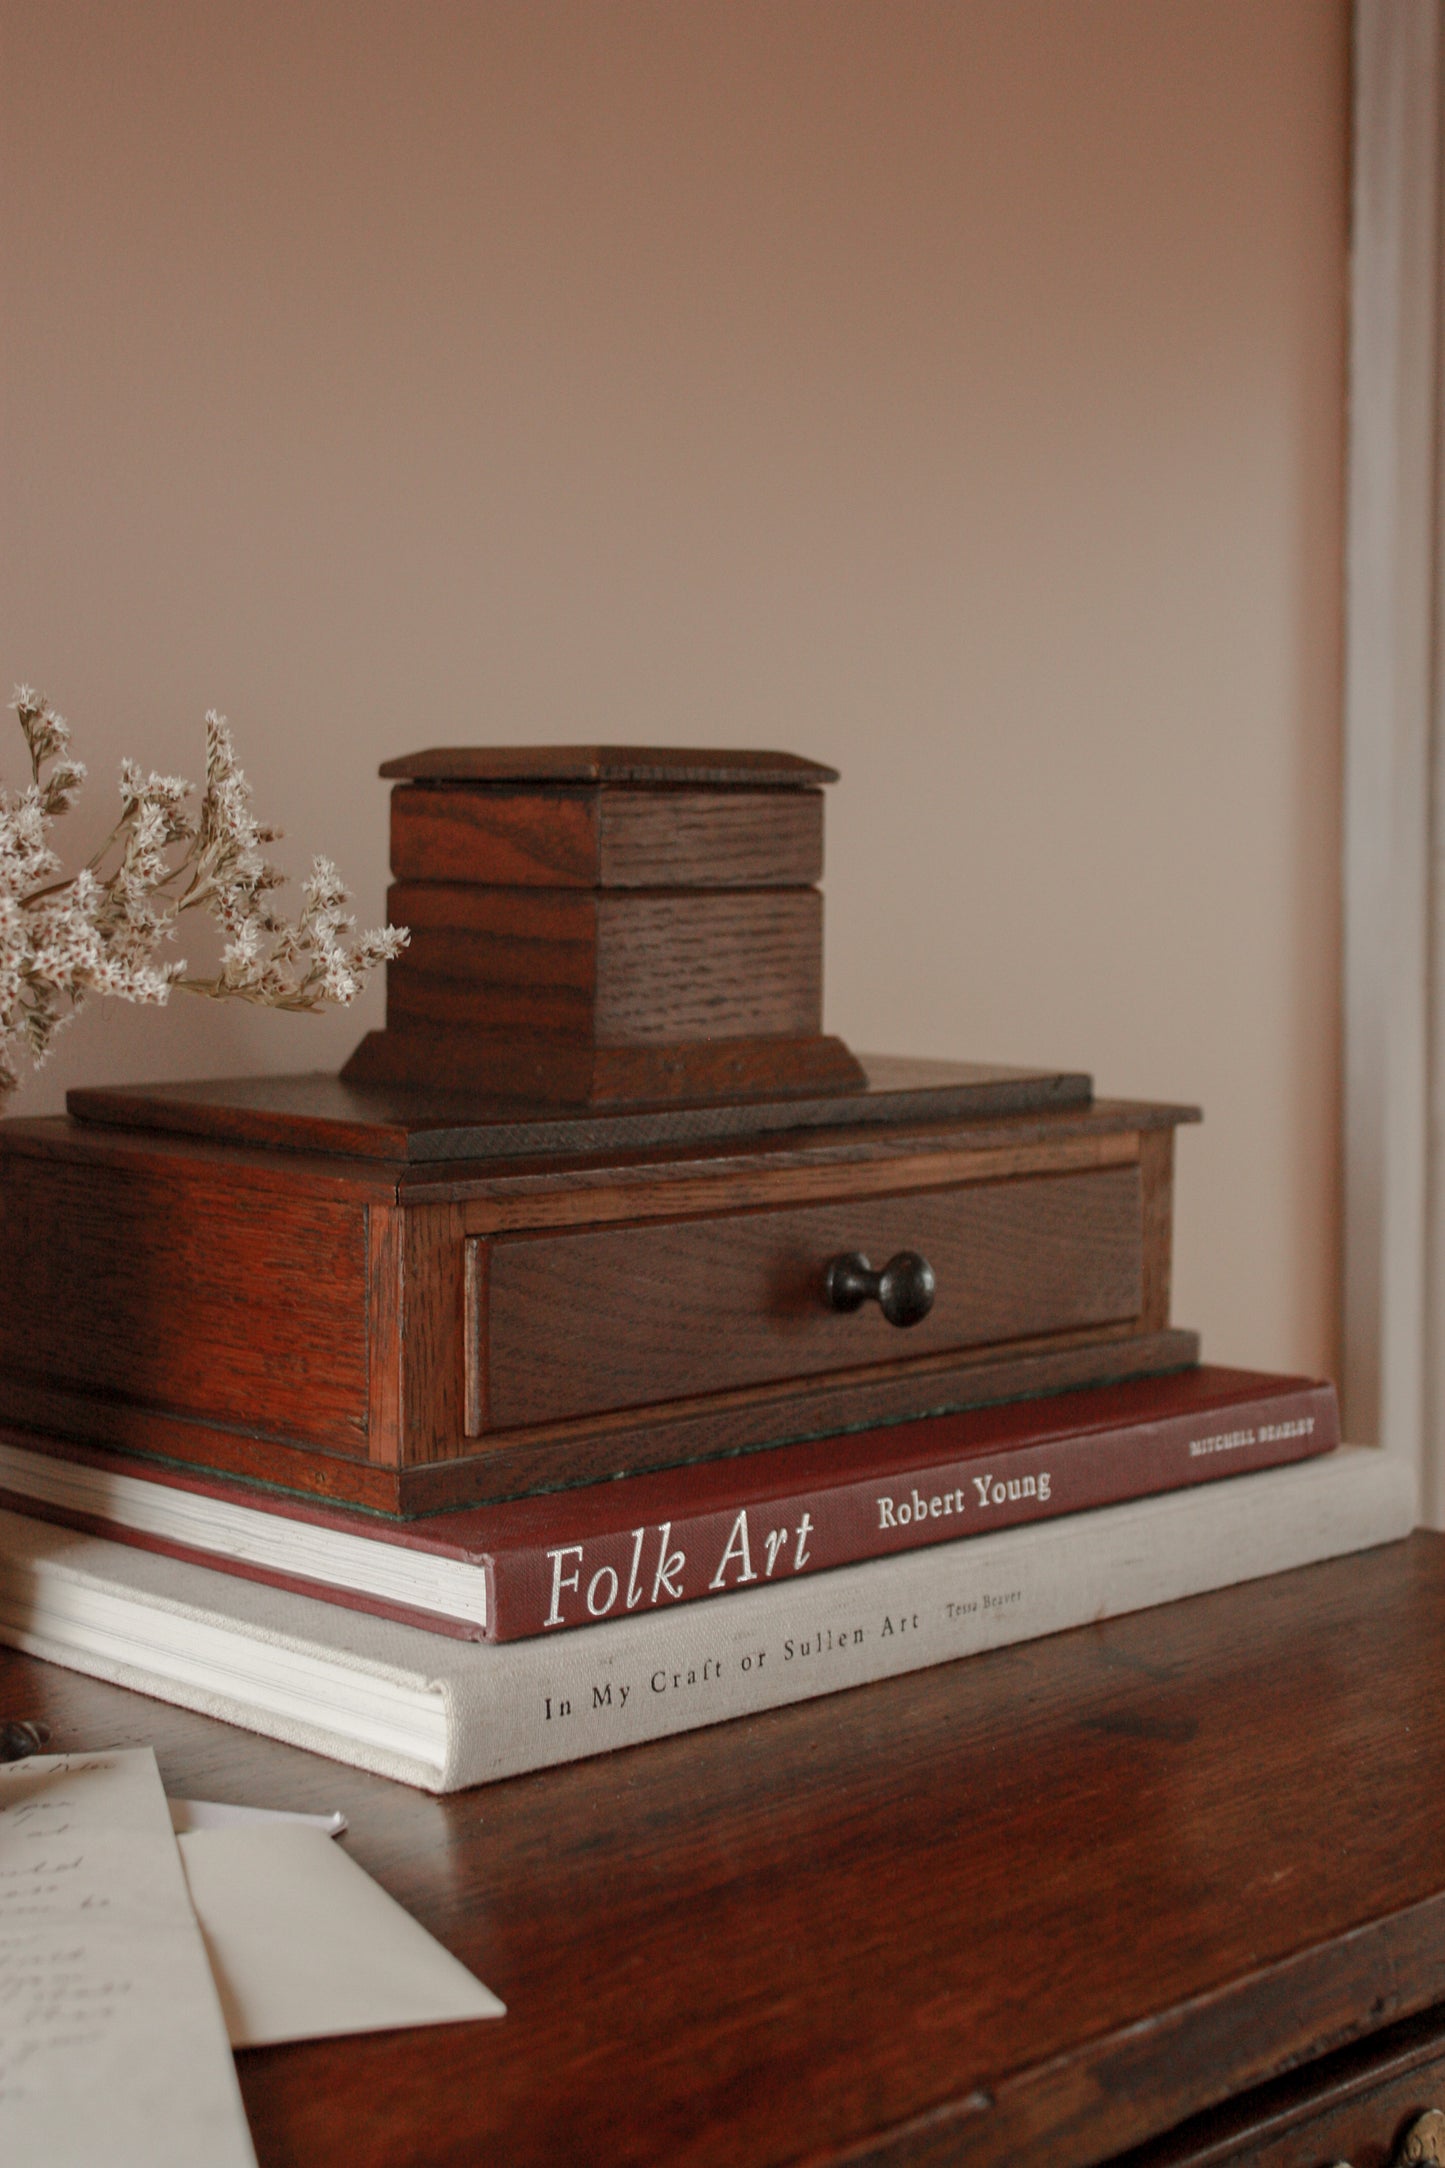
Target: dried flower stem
x,y
64,937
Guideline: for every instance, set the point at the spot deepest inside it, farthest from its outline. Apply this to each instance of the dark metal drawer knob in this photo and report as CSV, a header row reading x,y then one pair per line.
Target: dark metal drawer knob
x,y
903,1290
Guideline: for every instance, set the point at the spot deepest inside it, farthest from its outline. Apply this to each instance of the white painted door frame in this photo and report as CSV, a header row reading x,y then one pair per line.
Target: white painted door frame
x,y
1393,1356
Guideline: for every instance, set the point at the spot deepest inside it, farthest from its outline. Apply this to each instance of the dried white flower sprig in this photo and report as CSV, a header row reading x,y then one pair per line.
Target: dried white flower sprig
x,y
99,931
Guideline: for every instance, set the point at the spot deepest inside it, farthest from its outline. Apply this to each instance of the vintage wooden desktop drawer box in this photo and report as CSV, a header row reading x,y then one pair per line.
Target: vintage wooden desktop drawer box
x,y
419,1284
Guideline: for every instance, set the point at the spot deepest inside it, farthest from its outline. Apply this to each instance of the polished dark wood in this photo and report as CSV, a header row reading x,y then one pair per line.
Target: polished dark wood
x,y
535,992
530,838
40,1413
1156,1172
511,838
166,1280
324,1113
710,839
1352,2109
643,1153
416,1337
616,968
688,766
626,998
708,967
622,1317
1175,1880
542,1070
598,926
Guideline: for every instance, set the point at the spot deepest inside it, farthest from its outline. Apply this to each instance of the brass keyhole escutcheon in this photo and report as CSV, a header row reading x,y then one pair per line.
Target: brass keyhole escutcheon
x,y
1424,2141
1423,2145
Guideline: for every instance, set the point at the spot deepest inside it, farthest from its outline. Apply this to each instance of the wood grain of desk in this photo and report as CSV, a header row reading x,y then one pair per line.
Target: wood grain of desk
x,y
1034,1907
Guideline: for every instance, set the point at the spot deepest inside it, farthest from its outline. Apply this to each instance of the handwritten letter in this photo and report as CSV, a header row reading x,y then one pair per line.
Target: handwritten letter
x,y
112,2045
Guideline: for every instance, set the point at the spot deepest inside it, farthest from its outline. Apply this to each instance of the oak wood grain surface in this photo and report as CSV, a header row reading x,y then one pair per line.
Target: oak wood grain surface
x,y
299,1317
689,966
711,839
590,1196
1024,1911
567,1154
1354,2107
536,1070
510,838
682,766
617,1317
320,1112
1156,1170
591,1449
620,968
558,838
509,958
145,1280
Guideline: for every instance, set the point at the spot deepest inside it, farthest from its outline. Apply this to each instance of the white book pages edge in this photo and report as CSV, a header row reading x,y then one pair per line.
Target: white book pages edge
x,y
439,1713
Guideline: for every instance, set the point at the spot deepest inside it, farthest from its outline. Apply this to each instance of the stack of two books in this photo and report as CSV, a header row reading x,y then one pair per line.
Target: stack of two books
x,y
477,1644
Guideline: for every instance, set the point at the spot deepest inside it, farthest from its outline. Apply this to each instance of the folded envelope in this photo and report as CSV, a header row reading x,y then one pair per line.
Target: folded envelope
x,y
304,1944
188,1814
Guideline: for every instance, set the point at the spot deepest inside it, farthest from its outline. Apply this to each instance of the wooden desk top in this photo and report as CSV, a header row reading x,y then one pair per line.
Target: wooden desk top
x,y
1029,1908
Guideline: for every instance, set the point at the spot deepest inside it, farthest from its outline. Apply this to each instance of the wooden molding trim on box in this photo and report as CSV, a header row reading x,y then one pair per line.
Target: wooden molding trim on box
x,y
615,840
682,767
549,1073
37,1414
323,1115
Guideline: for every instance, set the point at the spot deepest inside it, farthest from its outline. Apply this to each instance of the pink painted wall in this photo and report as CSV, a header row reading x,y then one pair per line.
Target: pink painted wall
x,y
950,391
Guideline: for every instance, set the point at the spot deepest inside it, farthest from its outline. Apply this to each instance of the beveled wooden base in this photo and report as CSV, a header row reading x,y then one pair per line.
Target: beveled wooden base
x,y
324,1113
540,1072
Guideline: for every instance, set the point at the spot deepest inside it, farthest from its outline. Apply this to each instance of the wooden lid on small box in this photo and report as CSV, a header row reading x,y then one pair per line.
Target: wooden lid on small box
x,y
606,817
682,767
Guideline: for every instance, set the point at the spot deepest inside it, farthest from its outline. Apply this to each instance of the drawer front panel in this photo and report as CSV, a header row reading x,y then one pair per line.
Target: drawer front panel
x,y
578,1324
1334,2120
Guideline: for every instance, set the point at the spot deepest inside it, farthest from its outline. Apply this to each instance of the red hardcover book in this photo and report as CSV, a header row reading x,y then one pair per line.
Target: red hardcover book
x,y
564,1559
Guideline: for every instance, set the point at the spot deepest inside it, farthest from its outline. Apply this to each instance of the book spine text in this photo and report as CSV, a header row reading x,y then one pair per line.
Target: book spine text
x,y
549,1587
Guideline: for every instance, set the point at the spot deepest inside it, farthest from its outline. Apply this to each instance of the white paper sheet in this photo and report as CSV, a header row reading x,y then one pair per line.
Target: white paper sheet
x,y
188,1814
112,2045
303,1943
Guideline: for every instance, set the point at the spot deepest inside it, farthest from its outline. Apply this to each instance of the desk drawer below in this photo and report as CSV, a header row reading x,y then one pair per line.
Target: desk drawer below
x,y
579,1323
1375,2104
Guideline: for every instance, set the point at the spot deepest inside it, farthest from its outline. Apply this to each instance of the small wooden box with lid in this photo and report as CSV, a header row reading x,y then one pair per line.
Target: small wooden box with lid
x,y
601,1196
